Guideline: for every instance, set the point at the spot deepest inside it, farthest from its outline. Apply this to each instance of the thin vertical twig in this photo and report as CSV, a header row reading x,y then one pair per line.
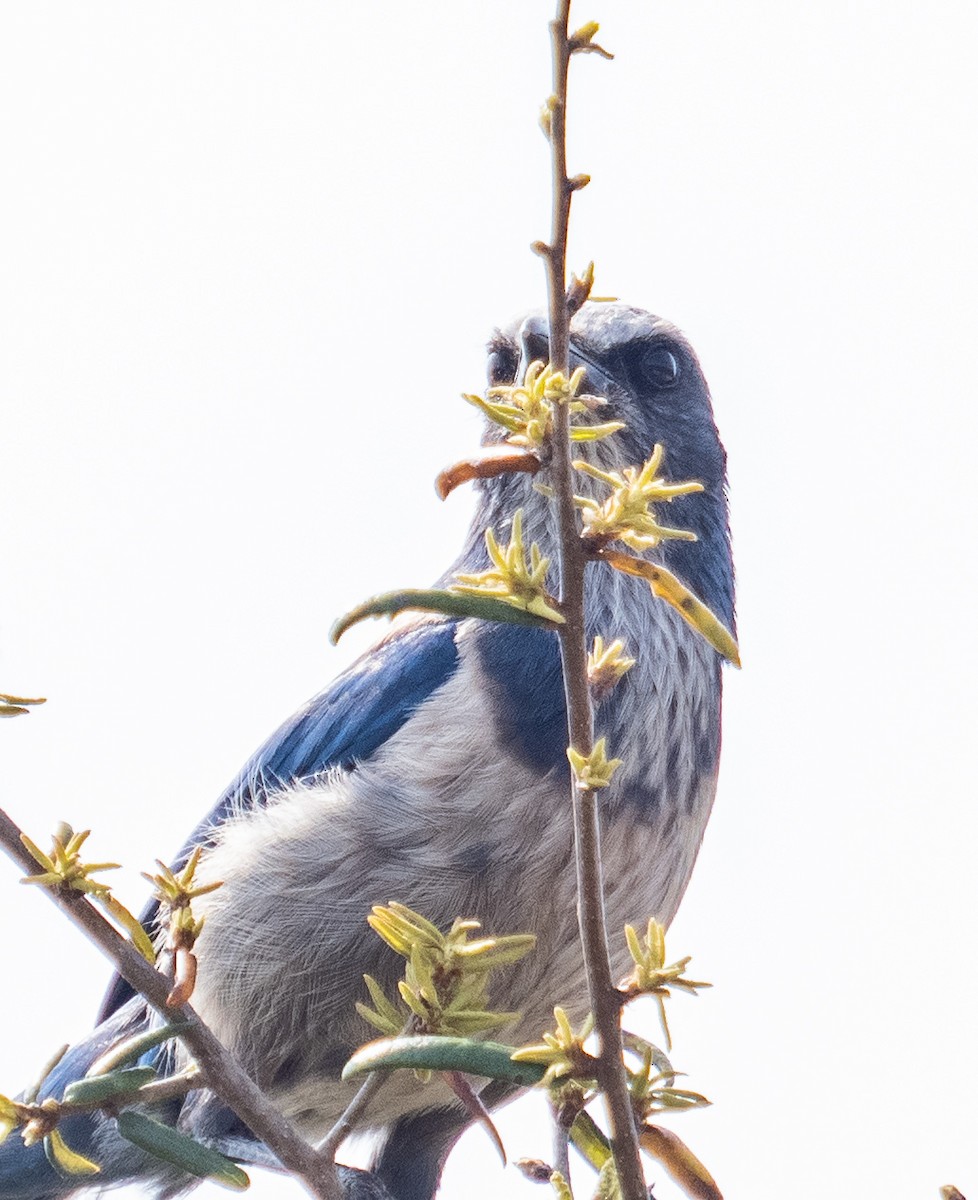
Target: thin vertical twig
x,y
350,1117
604,998
560,1152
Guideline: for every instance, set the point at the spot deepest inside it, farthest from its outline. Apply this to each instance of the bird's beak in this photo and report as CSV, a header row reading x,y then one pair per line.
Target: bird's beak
x,y
534,342
502,458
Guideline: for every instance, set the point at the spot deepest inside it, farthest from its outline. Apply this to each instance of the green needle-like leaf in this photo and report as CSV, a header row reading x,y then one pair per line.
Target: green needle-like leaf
x,y
489,1059
590,1141
595,433
99,1088
435,600
14,706
497,952
667,587
166,1143
681,1163
67,1162
609,1185
132,1049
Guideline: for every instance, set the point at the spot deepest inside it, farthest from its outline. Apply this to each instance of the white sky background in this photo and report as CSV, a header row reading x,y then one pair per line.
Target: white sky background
x,y
249,249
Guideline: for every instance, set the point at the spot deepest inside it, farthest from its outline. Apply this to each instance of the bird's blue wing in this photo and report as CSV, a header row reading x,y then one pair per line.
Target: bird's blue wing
x,y
343,725
348,721
25,1173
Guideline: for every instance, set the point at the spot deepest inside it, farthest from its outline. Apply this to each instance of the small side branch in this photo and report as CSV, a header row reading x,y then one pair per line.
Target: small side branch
x,y
224,1075
351,1115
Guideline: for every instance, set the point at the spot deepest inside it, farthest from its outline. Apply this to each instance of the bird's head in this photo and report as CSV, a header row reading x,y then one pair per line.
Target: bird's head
x,y
650,378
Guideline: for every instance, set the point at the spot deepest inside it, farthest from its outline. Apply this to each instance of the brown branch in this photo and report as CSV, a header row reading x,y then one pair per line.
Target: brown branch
x,y
587,832
351,1115
225,1077
160,1091
560,1141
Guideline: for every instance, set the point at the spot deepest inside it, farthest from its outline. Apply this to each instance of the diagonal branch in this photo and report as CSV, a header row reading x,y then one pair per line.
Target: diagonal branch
x,y
225,1077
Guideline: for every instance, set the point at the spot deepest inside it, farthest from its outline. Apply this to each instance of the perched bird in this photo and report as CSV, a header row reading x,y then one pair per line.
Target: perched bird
x,y
433,772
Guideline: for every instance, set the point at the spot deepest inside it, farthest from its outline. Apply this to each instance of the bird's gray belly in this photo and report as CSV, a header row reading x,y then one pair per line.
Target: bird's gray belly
x,y
286,944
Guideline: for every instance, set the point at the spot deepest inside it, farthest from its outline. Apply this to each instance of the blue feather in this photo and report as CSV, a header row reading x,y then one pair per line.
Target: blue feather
x,y
466,810
527,692
345,724
25,1173
350,720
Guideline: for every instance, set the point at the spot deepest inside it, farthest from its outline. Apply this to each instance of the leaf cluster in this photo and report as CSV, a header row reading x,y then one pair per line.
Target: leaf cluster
x,y
64,869
627,513
114,1085
444,989
511,578
526,410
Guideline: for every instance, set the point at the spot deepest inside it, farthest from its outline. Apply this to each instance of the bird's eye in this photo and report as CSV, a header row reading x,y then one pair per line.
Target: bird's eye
x,y
501,366
660,367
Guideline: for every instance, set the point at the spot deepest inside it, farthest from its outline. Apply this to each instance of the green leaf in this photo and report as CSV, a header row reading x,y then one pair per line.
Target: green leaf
x,y
30,1096
402,928
561,1187
67,1162
609,1185
452,604
474,1021
681,1163
413,1000
667,587
103,1087
379,1023
131,924
594,433
13,706
507,415
497,952
680,1098
590,1141
489,1059
166,1143
132,1049
385,1010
